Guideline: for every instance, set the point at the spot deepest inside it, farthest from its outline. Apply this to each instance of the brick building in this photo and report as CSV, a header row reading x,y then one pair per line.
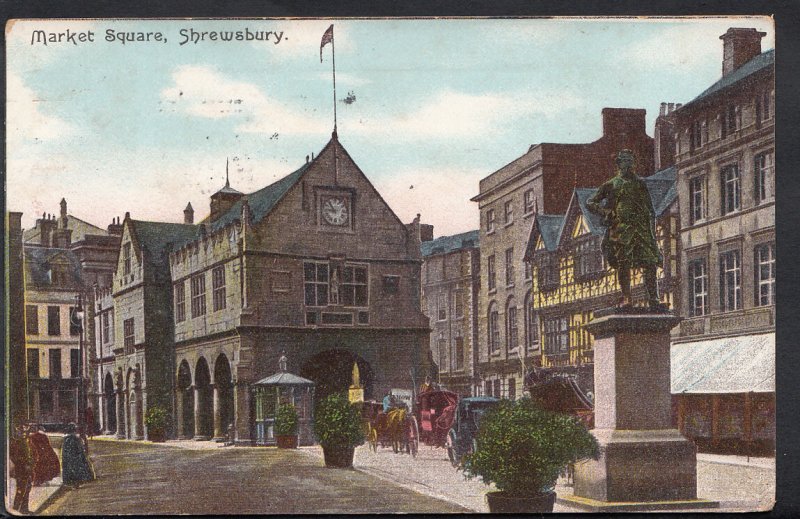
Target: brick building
x,y
724,144
571,280
450,289
541,180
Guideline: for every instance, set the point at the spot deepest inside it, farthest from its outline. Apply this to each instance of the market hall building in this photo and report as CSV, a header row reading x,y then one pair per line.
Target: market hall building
x,y
315,265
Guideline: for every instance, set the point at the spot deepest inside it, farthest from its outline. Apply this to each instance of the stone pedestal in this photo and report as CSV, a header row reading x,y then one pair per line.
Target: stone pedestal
x,y
644,463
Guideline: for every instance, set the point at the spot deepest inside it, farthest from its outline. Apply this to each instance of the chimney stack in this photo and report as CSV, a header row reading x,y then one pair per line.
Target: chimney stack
x,y
63,213
739,46
115,228
188,214
663,110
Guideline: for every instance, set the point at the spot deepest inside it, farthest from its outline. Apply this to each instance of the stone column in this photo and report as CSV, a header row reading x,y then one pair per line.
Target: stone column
x,y
219,434
198,422
241,406
643,458
179,412
120,414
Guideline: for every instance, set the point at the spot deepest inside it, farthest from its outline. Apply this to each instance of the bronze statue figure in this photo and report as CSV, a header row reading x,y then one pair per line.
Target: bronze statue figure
x,y
629,242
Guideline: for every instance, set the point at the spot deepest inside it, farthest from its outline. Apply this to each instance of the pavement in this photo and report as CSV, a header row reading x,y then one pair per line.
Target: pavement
x,y
738,483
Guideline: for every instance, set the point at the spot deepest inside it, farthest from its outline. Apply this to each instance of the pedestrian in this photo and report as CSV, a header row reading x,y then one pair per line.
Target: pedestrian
x,y
21,470
45,460
89,421
75,468
426,386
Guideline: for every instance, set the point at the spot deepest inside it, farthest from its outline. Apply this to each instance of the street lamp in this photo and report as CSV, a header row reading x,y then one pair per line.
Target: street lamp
x,y
79,314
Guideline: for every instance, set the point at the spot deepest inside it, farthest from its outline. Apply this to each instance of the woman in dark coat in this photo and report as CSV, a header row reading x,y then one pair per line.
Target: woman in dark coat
x,y
74,464
45,461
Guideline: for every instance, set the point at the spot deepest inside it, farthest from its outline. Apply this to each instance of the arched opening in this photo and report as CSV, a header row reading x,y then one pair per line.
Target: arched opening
x,y
332,372
223,396
185,402
204,410
110,411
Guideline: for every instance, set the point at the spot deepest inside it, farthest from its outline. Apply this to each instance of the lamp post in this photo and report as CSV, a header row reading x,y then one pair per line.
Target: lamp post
x,y
79,315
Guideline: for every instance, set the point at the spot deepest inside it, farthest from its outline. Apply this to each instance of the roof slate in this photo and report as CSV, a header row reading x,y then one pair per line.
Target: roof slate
x,y
262,201
283,378
156,236
760,62
445,244
661,186
37,262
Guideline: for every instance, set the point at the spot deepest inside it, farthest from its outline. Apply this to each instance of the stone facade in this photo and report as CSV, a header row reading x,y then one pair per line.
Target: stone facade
x,y
724,144
542,180
450,289
315,265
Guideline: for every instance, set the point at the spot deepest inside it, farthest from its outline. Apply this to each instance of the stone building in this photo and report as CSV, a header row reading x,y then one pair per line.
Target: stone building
x,y
17,381
725,156
315,265
450,288
571,280
541,180
137,357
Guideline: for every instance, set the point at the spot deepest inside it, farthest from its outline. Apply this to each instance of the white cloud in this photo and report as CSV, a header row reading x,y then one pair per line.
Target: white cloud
x,y
457,114
203,91
440,195
692,43
25,117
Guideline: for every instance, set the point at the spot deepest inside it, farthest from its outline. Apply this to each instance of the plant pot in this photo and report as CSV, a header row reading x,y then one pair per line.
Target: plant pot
x,y
338,456
157,436
503,503
286,441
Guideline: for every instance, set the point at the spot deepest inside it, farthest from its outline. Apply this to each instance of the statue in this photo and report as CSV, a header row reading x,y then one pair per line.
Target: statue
x,y
629,242
335,287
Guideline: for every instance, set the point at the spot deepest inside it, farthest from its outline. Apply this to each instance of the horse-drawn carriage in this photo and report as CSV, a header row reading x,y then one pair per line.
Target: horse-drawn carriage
x,y
428,422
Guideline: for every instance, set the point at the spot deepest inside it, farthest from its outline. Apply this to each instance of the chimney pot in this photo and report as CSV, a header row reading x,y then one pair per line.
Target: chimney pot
x,y
663,110
670,108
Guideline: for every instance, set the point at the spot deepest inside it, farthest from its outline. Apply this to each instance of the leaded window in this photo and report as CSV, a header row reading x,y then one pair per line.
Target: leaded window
x,y
354,290
556,335
316,283
218,287
198,287
180,301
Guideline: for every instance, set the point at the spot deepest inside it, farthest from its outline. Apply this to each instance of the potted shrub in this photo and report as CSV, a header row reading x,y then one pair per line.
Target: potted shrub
x,y
286,424
337,426
522,448
157,421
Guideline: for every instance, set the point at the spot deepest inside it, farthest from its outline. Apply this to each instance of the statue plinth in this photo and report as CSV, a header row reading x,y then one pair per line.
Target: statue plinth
x,y
644,462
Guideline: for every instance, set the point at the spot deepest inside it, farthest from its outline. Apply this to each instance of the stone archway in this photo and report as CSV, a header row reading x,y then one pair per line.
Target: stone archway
x,y
110,410
332,371
203,402
185,401
222,396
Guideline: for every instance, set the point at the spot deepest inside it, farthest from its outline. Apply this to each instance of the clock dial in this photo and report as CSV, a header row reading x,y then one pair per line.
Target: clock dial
x,y
334,211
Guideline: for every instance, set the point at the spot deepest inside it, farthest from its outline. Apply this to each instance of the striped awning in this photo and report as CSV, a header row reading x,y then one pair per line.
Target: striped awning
x,y
741,364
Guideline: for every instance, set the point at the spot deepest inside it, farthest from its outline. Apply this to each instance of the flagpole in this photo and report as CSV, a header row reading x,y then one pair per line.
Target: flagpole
x,y
333,54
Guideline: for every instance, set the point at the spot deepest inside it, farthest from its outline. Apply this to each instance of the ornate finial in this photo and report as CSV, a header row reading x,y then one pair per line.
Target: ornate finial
x,y
282,362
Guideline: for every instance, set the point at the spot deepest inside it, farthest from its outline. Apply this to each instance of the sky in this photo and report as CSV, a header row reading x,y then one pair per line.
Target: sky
x,y
425,107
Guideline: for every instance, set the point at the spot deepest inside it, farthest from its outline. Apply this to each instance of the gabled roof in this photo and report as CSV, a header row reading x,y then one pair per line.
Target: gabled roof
x,y
445,244
661,186
261,202
39,259
79,228
156,236
760,62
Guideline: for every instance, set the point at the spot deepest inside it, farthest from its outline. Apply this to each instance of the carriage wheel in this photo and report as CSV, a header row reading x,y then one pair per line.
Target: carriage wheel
x,y
372,438
413,437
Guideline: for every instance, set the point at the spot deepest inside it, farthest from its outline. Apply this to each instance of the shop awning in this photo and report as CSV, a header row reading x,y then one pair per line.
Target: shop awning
x,y
741,364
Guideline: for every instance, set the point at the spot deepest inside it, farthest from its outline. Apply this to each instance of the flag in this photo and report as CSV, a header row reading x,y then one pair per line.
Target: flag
x,y
326,38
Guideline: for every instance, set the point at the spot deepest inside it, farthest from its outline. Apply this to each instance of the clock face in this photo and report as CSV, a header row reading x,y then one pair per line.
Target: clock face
x,y
334,211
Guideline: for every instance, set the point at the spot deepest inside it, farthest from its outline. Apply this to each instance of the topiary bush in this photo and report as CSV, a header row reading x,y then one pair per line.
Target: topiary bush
x,y
337,422
286,420
156,419
522,448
